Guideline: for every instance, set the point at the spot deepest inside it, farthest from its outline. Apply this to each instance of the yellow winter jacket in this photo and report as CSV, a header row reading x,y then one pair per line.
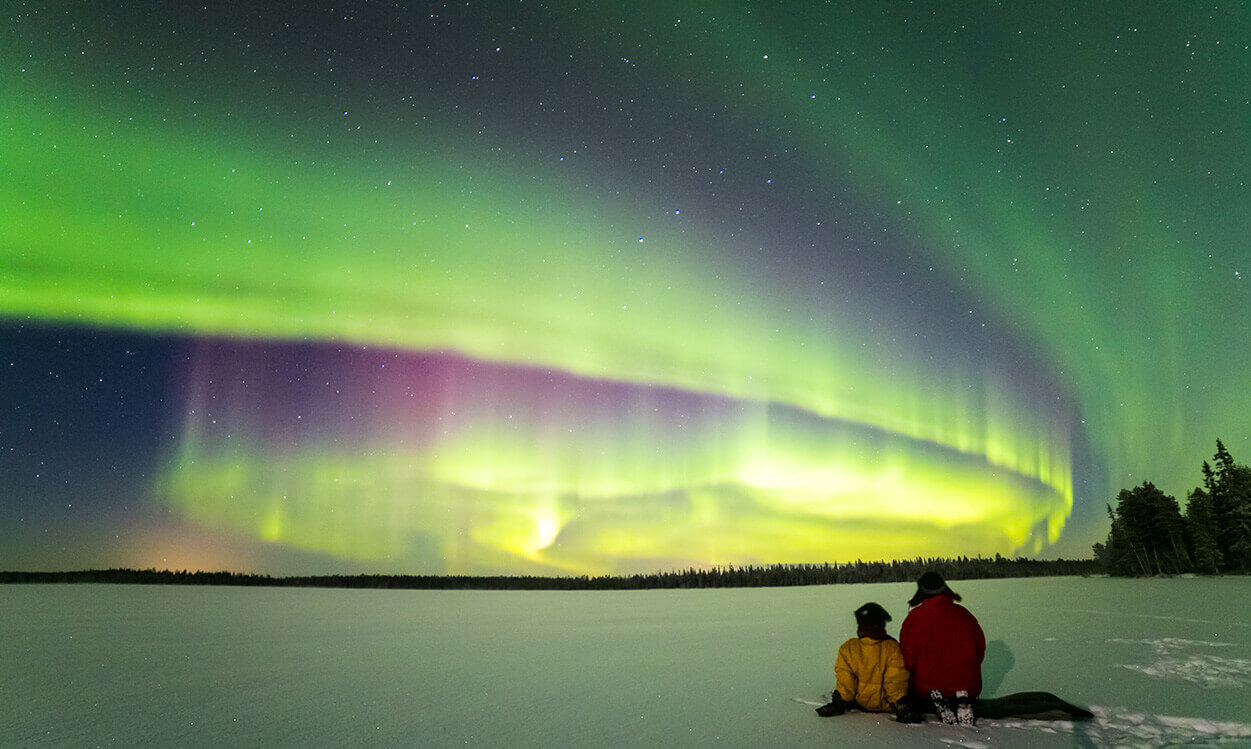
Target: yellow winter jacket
x,y
871,673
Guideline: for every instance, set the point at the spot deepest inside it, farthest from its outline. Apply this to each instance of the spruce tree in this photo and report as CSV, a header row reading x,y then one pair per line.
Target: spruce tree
x,y
1237,489
1203,533
1148,535
1229,485
1224,461
1116,554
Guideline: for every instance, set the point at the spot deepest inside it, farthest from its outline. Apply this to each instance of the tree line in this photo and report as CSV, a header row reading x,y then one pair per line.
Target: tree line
x,y
1150,535
749,576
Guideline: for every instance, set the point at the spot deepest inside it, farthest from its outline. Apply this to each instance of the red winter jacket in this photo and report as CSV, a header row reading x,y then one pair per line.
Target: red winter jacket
x,y
943,646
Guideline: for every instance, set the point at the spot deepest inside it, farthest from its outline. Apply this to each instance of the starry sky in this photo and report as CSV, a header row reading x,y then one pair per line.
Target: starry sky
x,y
543,288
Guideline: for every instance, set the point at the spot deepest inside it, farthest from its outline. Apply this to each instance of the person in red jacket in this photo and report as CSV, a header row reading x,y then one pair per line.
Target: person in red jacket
x,y
943,646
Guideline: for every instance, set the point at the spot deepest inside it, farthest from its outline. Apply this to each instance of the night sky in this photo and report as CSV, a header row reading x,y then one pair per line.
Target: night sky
x,y
524,287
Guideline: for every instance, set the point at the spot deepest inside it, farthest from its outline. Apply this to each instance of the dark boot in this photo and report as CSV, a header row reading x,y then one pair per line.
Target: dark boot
x,y
905,712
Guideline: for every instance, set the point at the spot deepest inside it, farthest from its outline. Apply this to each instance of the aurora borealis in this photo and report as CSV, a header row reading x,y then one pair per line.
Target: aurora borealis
x,y
526,288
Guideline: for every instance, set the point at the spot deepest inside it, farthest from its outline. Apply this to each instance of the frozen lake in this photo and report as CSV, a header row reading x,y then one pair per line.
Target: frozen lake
x,y
1160,662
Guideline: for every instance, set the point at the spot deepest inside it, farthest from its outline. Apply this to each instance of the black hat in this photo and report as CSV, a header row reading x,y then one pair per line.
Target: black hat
x,y
871,613
931,584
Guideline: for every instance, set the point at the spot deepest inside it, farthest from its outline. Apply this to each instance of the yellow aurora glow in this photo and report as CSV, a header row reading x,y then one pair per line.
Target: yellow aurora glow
x,y
465,476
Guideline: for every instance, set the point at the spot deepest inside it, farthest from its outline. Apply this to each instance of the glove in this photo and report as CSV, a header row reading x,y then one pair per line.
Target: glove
x,y
835,706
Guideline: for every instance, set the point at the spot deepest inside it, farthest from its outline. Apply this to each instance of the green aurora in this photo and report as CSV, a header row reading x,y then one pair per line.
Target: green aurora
x,y
968,275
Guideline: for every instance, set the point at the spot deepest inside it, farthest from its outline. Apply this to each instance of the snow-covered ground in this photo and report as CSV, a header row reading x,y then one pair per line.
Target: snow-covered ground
x,y
1160,662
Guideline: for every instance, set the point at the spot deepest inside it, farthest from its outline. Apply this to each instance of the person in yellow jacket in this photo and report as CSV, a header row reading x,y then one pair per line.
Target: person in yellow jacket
x,y
870,671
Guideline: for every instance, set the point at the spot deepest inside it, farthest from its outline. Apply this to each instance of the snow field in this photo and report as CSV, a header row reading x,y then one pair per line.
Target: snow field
x,y
1161,663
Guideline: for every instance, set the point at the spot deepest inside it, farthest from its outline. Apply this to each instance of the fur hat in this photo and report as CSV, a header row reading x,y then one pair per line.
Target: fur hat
x,y
871,614
929,585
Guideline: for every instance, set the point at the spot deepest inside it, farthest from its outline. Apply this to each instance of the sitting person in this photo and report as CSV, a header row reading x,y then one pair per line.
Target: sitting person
x,y
870,671
943,647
